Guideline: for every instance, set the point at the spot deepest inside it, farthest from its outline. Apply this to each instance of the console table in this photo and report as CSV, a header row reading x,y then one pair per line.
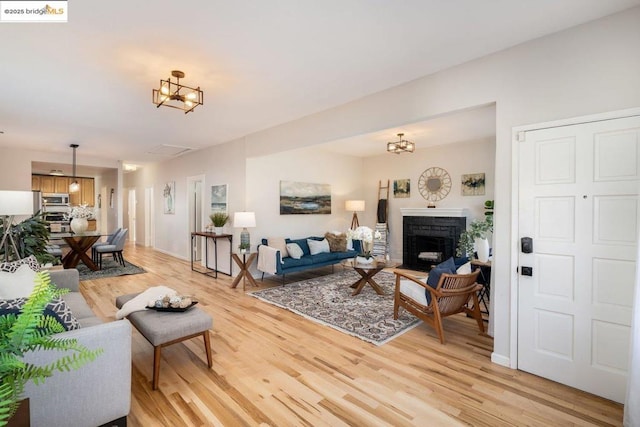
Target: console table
x,y
214,237
485,279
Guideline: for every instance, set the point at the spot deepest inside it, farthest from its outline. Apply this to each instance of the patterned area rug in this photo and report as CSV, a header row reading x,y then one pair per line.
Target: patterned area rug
x,y
110,268
327,300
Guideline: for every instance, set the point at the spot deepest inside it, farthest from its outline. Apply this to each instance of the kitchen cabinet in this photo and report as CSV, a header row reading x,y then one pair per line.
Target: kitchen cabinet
x,y
35,182
61,184
86,194
46,184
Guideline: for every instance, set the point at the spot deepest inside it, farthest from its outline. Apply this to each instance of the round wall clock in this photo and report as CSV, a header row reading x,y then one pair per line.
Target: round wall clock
x,y
434,184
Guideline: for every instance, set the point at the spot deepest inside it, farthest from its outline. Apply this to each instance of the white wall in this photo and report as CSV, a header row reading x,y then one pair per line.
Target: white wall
x,y
345,174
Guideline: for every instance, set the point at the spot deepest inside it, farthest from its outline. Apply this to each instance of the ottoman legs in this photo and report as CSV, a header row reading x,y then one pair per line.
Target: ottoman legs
x,y
157,350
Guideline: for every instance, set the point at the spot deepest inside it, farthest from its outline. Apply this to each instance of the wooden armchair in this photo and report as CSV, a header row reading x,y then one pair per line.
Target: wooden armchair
x,y
451,296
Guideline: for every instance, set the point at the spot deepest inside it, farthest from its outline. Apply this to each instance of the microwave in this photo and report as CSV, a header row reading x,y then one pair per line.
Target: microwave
x,y
55,199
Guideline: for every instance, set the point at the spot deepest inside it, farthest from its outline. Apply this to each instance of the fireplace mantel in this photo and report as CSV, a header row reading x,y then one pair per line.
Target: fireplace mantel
x,y
442,212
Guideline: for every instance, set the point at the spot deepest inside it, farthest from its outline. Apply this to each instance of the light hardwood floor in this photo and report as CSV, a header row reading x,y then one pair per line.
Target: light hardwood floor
x,y
274,368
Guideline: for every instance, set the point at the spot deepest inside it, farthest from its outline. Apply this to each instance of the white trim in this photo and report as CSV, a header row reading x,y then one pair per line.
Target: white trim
x,y
450,212
501,360
515,247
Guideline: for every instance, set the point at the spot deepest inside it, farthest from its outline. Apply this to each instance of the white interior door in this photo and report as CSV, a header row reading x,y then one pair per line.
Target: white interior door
x,y
148,217
132,207
578,201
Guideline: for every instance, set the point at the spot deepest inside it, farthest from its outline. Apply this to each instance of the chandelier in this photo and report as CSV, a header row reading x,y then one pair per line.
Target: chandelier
x,y
173,94
400,146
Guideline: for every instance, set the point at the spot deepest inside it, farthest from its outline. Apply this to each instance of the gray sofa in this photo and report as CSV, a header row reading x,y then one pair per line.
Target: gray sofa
x,y
307,261
99,392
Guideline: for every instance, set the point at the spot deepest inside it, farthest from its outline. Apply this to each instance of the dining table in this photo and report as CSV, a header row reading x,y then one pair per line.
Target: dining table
x,y
79,244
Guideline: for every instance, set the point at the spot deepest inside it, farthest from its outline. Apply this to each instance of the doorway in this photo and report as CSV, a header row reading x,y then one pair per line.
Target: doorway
x,y
578,203
195,191
149,236
131,214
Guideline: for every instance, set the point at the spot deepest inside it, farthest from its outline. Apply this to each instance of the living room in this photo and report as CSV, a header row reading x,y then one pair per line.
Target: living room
x,y
550,78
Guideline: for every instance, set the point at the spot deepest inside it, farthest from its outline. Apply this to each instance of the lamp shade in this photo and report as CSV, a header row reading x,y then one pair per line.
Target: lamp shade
x,y
354,205
16,203
244,219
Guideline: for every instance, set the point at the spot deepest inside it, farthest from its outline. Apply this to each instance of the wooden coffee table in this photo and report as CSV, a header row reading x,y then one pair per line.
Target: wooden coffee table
x,y
367,271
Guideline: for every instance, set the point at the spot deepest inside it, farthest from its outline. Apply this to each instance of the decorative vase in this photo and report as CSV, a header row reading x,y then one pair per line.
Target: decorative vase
x,y
482,249
363,260
79,225
217,230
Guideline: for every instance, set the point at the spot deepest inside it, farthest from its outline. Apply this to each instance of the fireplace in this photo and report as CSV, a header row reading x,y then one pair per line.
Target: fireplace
x,y
429,239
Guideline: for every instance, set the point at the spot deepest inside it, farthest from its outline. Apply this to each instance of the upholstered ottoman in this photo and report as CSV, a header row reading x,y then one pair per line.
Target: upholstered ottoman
x,y
163,328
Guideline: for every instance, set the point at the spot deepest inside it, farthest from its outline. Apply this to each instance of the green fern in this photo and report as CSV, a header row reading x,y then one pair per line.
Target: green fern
x,y
32,331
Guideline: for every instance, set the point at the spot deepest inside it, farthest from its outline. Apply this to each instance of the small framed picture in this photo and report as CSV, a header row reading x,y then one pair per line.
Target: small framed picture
x,y
401,188
473,184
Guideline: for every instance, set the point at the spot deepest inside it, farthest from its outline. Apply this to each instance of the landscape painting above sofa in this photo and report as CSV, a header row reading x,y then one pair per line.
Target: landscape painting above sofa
x,y
304,198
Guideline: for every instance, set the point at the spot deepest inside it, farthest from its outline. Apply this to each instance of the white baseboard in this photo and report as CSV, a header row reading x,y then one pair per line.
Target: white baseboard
x,y
501,360
171,254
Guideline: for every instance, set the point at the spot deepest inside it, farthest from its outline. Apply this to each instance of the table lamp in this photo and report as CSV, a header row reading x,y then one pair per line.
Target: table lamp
x,y
13,203
244,220
354,206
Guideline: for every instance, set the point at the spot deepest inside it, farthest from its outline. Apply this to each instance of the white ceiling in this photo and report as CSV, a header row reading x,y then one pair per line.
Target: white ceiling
x,y
260,63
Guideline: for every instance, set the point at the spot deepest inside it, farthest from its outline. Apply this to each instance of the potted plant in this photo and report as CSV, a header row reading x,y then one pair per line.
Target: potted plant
x,y
475,237
79,216
32,330
219,219
31,237
244,247
366,237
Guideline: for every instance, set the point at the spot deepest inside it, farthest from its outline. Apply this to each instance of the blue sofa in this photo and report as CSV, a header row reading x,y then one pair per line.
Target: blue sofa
x,y
308,261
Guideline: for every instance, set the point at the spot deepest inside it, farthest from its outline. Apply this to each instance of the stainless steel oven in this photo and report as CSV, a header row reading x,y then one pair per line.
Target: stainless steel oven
x,y
55,199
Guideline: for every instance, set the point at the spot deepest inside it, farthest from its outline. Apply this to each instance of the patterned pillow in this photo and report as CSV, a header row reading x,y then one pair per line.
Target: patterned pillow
x,y
13,266
57,308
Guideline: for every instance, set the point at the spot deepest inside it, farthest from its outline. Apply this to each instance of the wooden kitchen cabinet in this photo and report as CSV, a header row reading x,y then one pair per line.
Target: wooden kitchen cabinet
x,y
61,184
35,182
46,184
86,194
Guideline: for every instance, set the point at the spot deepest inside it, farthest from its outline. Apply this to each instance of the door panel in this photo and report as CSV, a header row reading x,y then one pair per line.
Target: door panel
x,y
578,200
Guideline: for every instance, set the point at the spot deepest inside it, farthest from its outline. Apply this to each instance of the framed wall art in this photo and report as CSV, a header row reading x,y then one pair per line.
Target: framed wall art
x,y
169,195
219,198
304,198
402,188
473,184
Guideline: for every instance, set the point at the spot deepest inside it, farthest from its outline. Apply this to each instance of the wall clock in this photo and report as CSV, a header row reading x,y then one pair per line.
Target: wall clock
x,y
434,184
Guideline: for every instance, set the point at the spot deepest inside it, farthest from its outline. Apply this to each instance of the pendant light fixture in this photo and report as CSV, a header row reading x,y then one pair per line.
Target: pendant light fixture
x,y
74,186
400,146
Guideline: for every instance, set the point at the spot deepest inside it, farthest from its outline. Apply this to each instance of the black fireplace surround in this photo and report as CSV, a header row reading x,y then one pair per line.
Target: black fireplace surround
x,y
429,240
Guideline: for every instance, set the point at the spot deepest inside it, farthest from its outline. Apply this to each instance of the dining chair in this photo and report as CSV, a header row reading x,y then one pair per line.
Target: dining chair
x,y
109,241
115,248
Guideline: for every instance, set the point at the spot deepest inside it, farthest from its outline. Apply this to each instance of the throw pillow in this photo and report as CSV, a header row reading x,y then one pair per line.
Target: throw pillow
x,y
56,308
337,242
464,268
18,284
279,244
318,246
11,267
448,266
294,250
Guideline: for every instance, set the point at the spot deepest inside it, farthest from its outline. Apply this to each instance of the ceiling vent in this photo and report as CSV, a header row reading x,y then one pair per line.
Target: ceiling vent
x,y
168,150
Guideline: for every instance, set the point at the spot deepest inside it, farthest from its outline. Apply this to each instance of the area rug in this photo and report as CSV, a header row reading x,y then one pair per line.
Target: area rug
x,y
327,300
110,268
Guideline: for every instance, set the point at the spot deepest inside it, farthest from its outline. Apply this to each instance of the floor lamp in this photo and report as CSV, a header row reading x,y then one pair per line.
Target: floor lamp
x,y
13,203
354,206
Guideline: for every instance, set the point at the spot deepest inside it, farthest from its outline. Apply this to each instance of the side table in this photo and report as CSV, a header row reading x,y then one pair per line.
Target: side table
x,y
244,264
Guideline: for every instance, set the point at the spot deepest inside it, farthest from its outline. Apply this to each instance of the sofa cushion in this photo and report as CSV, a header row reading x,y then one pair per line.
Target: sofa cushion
x,y
18,284
292,262
323,257
337,242
78,305
433,278
279,244
294,250
57,308
318,246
